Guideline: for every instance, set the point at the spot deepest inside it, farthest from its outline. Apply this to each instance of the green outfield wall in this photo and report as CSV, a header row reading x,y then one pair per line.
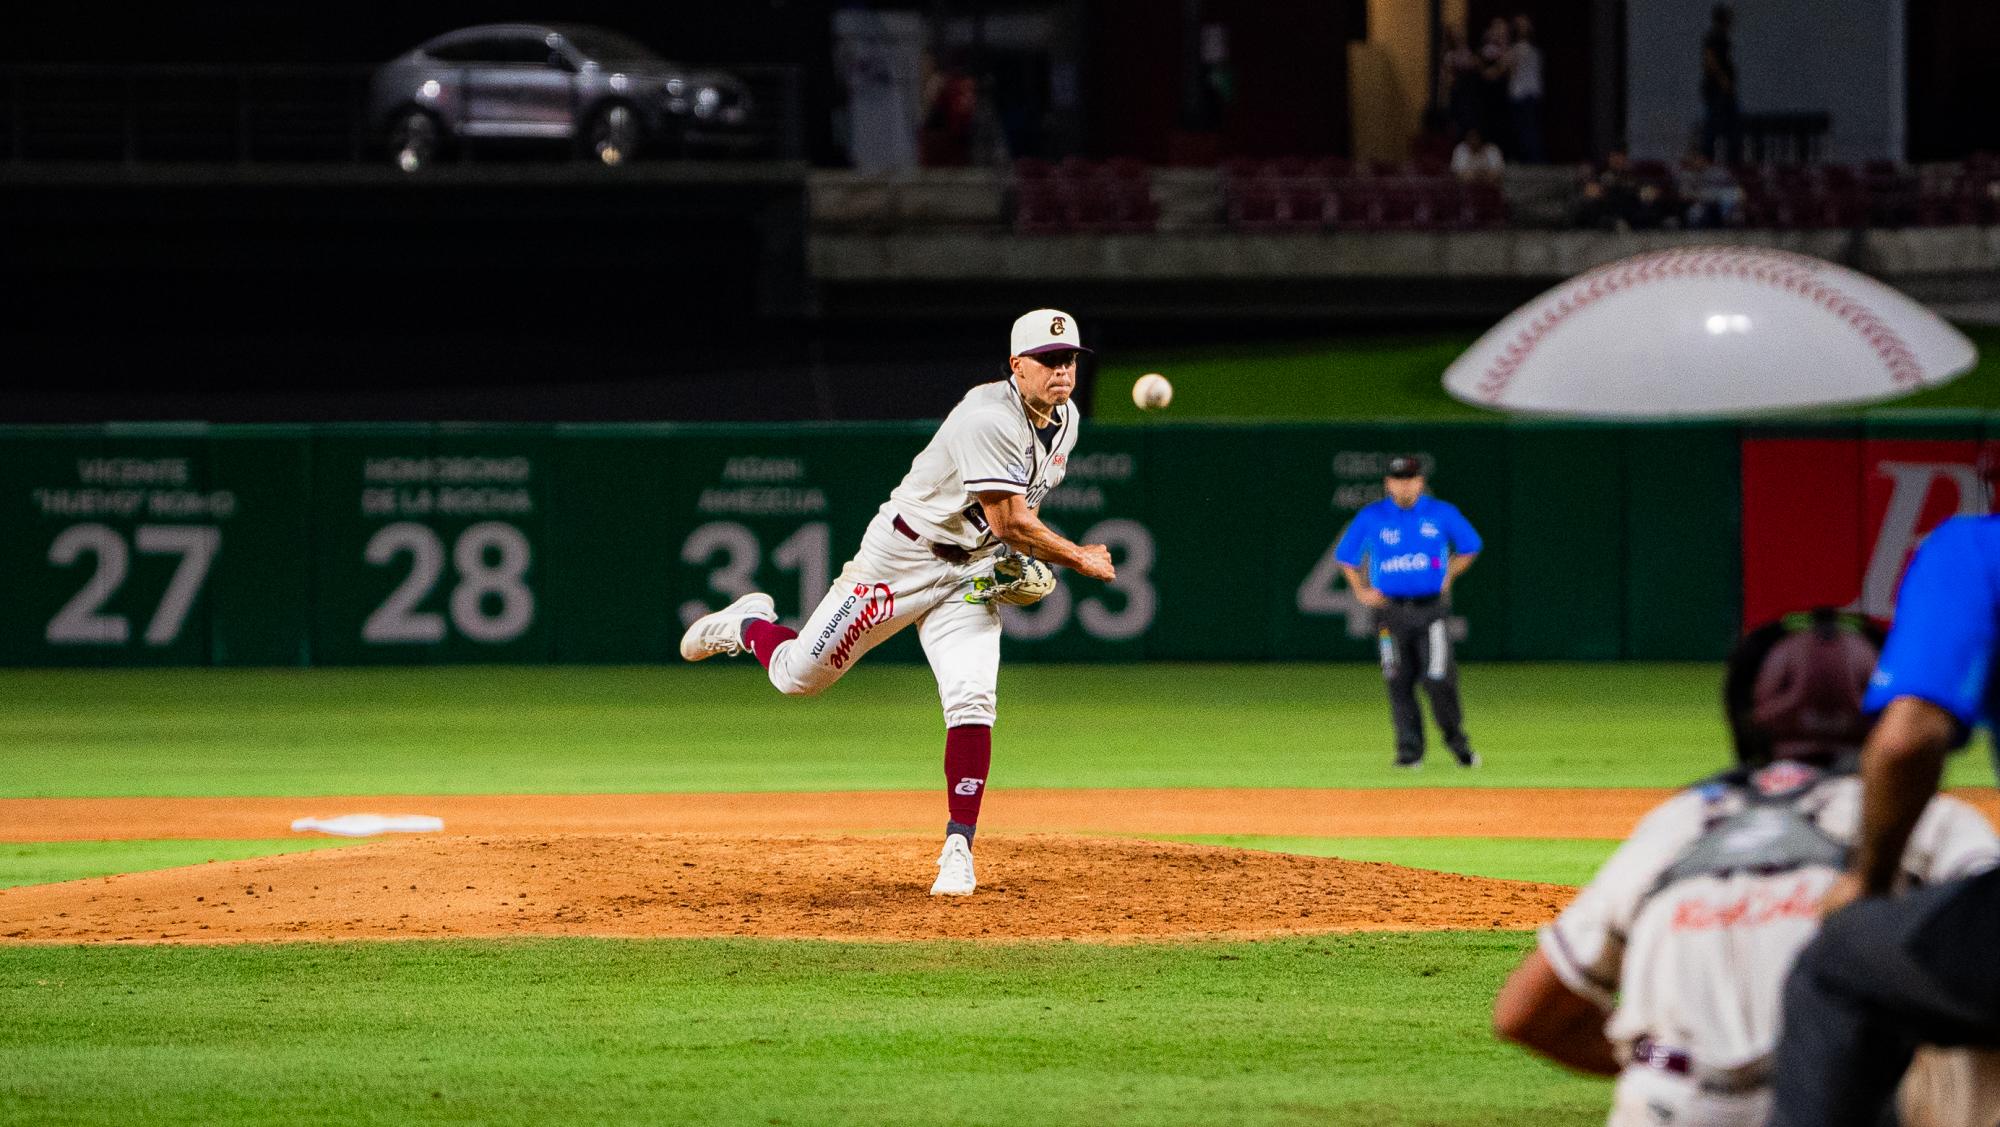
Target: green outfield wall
x,y
411,544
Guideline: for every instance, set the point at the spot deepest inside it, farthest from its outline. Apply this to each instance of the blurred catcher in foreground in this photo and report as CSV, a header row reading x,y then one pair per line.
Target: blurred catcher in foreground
x,y
1665,971
1890,972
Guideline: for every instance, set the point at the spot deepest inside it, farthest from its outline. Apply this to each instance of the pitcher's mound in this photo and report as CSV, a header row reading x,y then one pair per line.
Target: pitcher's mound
x,y
858,888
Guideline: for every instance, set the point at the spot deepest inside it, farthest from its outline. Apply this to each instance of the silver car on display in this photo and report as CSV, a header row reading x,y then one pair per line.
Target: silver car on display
x,y
604,94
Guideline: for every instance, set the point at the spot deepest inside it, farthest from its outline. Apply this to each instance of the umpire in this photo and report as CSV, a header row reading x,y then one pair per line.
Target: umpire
x,y
1414,546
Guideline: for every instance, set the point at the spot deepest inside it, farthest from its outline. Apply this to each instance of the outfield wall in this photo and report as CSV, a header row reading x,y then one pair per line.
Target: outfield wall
x,y
412,544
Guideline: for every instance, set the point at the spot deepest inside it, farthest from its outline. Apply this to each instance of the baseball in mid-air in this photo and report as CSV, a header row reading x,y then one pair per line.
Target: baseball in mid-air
x,y
1152,392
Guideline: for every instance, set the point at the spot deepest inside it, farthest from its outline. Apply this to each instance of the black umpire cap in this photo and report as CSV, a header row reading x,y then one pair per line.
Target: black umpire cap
x,y
1406,465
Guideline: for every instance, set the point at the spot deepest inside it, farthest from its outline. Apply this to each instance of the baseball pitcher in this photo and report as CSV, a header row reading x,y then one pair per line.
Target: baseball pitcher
x,y
958,536
1685,935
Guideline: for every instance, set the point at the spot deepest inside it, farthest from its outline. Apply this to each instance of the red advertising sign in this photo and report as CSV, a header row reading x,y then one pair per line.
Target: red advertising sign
x,y
1832,521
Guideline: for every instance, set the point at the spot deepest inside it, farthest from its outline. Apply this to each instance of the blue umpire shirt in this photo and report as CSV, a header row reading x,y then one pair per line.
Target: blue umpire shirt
x,y
1407,549
1947,621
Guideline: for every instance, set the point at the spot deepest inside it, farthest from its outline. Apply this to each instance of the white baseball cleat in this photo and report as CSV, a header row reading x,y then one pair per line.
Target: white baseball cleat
x,y
722,631
955,868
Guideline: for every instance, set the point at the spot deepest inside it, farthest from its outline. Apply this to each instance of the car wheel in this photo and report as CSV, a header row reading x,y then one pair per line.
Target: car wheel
x,y
414,140
614,135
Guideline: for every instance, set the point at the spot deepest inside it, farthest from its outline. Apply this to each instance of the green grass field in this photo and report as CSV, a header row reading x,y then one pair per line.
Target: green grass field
x,y
1371,1029
1326,1030
1390,376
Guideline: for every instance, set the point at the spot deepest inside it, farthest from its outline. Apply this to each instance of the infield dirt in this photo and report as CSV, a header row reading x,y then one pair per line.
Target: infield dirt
x,y
1033,887
833,866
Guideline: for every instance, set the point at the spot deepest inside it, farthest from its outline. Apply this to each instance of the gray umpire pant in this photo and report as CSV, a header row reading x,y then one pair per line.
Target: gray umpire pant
x,y
1883,976
1415,647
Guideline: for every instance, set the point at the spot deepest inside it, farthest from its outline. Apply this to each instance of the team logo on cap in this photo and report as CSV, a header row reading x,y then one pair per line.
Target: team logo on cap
x,y
1057,328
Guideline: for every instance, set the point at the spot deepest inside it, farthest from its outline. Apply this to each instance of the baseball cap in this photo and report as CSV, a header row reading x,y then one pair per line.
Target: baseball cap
x,y
1405,465
1045,330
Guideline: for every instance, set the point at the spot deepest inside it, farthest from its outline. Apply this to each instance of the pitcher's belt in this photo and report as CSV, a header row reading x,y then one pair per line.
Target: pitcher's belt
x,y
949,553
1648,1053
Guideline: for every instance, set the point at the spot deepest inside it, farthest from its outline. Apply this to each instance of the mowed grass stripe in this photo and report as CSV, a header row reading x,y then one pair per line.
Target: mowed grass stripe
x,y
1379,1029
582,730
46,862
576,730
1571,861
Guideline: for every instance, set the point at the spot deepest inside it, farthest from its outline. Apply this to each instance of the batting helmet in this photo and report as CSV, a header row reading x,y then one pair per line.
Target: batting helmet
x,y
1794,687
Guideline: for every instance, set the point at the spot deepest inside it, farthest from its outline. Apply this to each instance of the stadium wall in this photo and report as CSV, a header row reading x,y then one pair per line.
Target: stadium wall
x,y
414,544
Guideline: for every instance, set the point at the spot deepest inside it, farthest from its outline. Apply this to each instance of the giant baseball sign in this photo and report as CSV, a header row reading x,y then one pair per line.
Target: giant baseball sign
x,y
1708,331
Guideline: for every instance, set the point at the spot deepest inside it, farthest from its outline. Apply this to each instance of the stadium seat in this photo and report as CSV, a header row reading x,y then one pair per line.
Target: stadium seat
x,y
1405,205
1329,168
1303,202
1481,205
1031,168
1357,203
1039,208
1252,206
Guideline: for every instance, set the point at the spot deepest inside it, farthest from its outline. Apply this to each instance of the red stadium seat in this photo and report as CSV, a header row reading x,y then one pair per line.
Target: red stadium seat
x,y
1254,207
1077,168
1039,208
1126,169
1405,205
1304,202
1357,203
1329,168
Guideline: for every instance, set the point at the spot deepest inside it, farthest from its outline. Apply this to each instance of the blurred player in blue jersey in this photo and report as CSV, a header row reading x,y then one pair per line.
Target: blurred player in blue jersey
x,y
1887,974
1401,555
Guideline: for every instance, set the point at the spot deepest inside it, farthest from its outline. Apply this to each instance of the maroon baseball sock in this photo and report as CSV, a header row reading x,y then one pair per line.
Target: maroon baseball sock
x,y
764,638
968,752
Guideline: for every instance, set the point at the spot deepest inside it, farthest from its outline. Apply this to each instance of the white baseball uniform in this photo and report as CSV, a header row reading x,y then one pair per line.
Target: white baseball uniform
x,y
1688,949
987,444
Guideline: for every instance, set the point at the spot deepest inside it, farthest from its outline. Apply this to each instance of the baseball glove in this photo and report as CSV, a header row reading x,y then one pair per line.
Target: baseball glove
x,y
1019,580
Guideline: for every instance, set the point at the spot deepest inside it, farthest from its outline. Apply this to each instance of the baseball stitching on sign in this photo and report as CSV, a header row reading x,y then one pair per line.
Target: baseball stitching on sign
x,y
1782,270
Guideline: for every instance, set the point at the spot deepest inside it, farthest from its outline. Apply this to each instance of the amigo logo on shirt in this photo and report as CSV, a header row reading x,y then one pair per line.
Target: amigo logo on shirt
x,y
865,608
1408,561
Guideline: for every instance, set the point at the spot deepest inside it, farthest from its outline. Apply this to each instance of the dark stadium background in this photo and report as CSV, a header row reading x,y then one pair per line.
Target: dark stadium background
x,y
559,293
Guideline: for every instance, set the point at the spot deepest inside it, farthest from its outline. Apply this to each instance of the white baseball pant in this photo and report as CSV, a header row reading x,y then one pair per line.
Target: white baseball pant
x,y
891,582
1648,1097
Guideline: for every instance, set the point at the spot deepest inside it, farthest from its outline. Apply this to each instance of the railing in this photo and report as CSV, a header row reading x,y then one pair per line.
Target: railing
x,y
259,114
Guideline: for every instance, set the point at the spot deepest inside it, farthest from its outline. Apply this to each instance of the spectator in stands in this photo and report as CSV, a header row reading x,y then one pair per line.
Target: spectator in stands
x,y
1615,199
1721,113
1458,82
951,99
988,134
1709,194
1524,92
1477,160
1493,56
